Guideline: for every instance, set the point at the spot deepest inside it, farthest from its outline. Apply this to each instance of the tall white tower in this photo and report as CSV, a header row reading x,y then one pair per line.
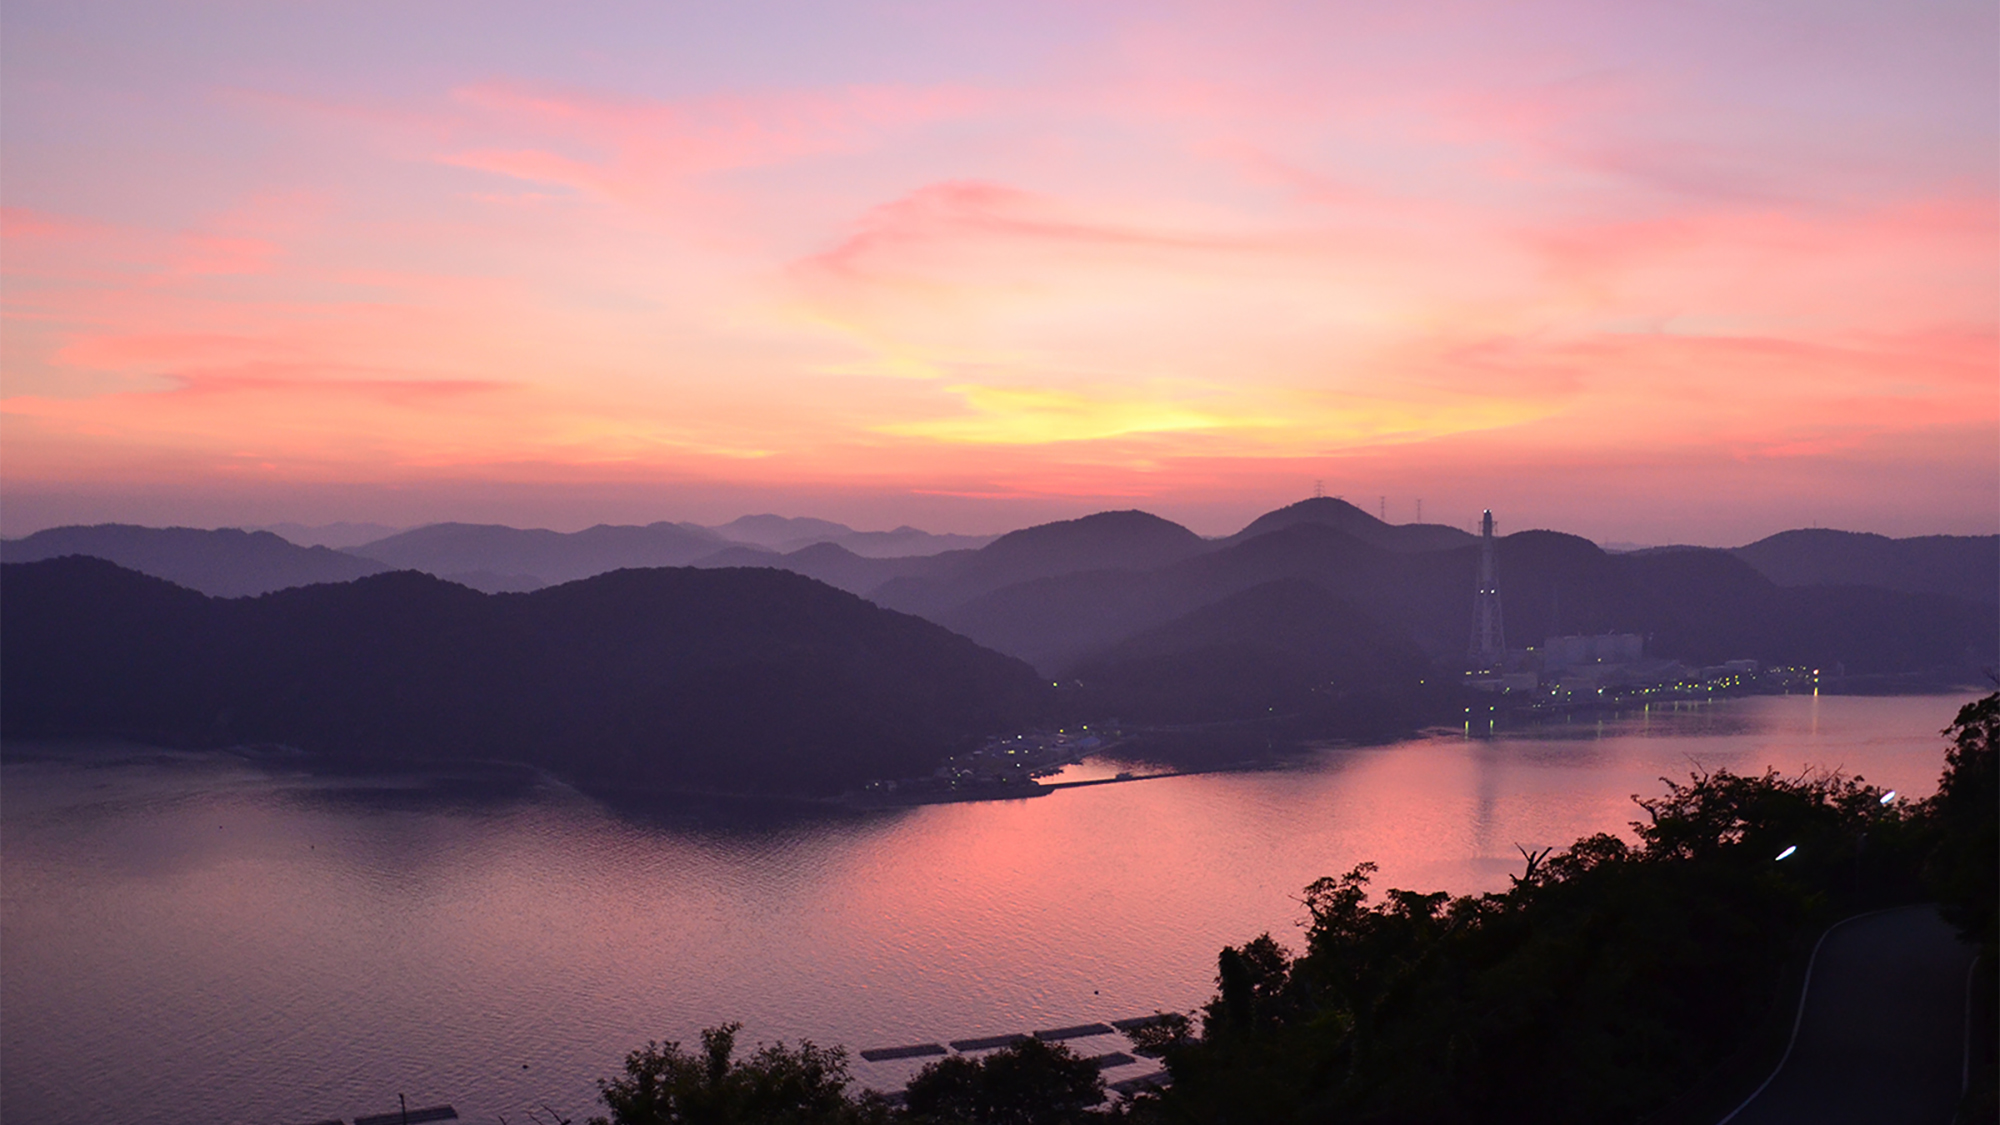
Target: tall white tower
x,y
1489,638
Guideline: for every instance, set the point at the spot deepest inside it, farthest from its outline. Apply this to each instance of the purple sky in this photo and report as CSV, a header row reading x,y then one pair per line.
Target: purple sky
x,y
1645,272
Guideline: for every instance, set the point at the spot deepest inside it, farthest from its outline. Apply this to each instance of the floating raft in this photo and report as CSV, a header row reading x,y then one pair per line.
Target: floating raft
x,y
1080,1031
432,1113
917,1051
1138,1022
991,1042
1132,1086
1110,1060
986,1044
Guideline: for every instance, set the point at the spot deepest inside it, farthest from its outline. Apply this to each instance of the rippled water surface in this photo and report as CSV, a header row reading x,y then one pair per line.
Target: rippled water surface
x,y
191,938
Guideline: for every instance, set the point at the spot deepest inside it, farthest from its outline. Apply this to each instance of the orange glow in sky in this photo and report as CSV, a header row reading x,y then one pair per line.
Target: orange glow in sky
x,y
1644,272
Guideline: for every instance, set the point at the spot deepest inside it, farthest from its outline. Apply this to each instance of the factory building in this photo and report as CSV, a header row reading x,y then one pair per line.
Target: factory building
x,y
1564,653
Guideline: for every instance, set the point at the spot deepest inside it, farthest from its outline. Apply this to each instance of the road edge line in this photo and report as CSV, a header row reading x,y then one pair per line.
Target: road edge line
x,y
1805,990
1965,1073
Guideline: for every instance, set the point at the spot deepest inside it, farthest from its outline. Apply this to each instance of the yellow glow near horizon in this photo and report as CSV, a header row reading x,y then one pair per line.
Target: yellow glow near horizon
x,y
1232,249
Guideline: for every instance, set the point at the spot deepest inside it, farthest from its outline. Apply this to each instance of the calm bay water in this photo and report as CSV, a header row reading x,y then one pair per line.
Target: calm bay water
x,y
190,938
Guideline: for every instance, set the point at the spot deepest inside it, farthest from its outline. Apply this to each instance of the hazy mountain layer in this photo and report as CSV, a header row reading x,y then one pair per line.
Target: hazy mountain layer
x,y
499,559
538,555
1700,606
1279,648
1127,540
227,563
1064,594
790,534
339,536
1963,566
747,680
830,563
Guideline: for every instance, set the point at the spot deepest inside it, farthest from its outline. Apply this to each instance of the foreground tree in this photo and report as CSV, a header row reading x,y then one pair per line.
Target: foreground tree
x,y
1029,1083
1598,987
1604,982
665,1085
1964,870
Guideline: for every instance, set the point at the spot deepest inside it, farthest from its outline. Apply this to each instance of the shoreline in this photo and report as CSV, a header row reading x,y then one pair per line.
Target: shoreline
x,y
508,779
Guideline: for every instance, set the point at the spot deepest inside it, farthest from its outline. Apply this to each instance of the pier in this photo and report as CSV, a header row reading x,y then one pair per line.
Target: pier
x,y
962,1046
1050,1035
412,1117
918,1051
1080,1031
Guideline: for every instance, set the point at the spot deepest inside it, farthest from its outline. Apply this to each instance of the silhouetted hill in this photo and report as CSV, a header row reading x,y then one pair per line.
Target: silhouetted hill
x,y
487,582
771,531
227,562
739,555
906,542
1343,516
839,567
1129,540
1961,566
830,563
1281,647
1052,622
743,679
959,588
1699,605
448,549
339,535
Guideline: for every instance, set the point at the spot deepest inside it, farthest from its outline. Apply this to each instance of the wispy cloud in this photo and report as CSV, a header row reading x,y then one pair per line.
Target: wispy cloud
x,y
1127,249
641,151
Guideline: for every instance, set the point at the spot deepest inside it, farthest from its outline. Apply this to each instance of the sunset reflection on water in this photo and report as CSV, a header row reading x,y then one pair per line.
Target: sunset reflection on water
x,y
188,937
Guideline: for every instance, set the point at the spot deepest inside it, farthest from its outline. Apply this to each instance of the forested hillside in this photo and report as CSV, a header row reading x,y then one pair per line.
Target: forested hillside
x,y
746,680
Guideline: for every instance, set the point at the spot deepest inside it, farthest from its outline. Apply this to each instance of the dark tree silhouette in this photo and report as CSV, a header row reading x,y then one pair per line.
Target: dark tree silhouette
x,y
776,1085
1607,979
1029,1083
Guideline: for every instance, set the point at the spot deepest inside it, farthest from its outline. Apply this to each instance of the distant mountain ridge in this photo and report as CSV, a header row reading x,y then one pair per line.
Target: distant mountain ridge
x,y
1071,594
1124,540
537,555
499,559
786,535
1962,566
827,562
339,536
1701,606
905,568
749,680
226,563
1331,512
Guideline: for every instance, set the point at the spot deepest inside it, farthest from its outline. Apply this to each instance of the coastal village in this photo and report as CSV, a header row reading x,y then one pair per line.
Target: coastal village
x,y
1005,766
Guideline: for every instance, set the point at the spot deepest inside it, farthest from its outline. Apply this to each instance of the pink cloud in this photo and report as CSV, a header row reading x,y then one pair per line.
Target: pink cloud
x,y
392,392
26,222
297,382
632,150
209,254
932,228
1209,244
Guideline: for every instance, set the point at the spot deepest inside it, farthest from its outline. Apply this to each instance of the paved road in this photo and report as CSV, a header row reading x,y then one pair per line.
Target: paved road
x,y
1882,1041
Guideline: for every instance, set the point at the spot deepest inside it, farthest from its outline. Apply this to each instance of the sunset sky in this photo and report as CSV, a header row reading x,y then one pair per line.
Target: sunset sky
x,y
1648,272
